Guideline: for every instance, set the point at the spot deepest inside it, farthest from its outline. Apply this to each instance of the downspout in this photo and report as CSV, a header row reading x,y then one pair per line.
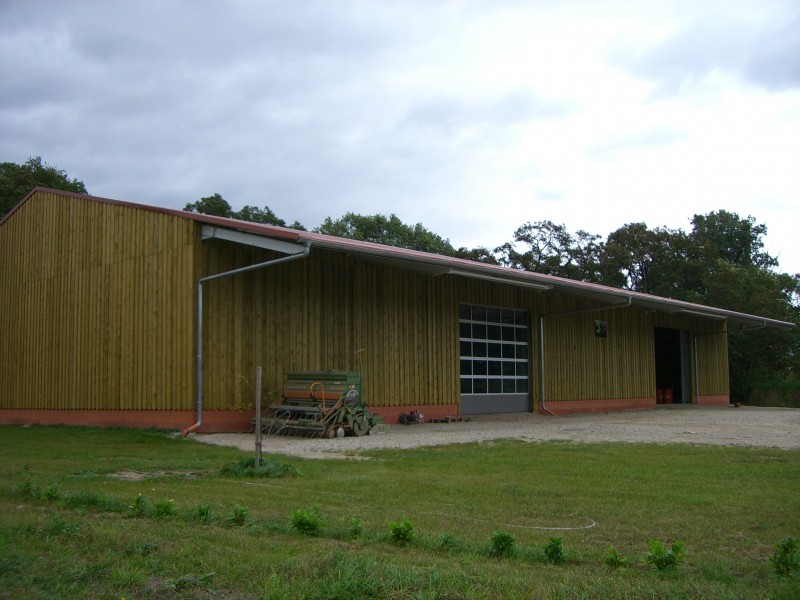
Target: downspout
x,y
697,359
625,304
200,282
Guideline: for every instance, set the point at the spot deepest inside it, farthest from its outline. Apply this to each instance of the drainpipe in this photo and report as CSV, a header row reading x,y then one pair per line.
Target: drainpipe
x,y
625,304
200,282
697,360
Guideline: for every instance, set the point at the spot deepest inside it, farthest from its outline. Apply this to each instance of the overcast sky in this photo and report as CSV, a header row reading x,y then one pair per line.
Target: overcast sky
x,y
469,117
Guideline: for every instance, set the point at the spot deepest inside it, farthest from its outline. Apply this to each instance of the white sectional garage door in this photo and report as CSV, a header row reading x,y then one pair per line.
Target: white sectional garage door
x,y
494,360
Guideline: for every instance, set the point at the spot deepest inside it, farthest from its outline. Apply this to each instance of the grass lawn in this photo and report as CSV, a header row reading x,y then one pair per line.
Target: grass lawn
x,y
111,513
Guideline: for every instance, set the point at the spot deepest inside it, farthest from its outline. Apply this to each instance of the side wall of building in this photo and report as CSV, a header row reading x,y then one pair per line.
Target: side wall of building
x,y
96,309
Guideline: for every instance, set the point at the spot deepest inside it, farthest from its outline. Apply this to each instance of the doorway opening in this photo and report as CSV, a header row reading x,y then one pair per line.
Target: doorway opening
x,y
673,384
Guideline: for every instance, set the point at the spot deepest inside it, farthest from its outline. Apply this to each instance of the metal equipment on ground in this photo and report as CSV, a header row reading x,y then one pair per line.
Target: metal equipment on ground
x,y
320,404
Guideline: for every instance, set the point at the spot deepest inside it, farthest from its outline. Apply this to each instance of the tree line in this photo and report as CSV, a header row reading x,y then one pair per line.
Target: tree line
x,y
719,262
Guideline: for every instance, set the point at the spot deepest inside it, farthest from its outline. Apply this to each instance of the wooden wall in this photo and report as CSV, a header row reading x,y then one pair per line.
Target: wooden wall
x,y
97,311
400,329
95,307
327,312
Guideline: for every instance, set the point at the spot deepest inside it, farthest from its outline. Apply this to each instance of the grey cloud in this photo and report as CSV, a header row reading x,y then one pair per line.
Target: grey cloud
x,y
765,53
447,115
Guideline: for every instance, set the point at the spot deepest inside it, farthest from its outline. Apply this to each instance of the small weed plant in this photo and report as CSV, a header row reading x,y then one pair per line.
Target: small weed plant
x,y
448,541
140,506
502,544
554,551
200,513
402,532
307,522
166,508
26,489
239,517
665,559
786,559
51,492
356,527
614,560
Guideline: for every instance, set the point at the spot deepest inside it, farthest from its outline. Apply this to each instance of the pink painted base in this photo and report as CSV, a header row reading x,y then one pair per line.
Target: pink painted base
x,y
596,406
214,421
721,400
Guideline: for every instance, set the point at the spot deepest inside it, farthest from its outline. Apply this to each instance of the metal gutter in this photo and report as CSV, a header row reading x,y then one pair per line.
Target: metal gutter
x,y
625,304
269,263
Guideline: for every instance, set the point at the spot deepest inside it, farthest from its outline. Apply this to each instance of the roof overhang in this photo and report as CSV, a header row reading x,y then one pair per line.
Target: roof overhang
x,y
249,239
291,241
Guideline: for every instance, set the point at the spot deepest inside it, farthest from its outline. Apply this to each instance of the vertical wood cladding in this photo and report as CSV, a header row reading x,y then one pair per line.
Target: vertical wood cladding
x,y
98,305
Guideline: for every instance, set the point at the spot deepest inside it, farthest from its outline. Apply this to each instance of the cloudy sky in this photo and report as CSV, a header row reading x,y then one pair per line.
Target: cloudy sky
x,y
470,117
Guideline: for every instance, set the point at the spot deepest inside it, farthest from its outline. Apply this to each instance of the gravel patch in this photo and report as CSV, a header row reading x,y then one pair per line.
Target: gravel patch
x,y
720,426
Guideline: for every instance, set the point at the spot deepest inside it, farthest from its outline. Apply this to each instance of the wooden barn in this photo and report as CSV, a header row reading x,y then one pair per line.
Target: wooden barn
x,y
113,313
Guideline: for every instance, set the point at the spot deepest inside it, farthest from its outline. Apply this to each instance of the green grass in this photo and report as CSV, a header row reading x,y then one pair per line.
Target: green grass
x,y
71,527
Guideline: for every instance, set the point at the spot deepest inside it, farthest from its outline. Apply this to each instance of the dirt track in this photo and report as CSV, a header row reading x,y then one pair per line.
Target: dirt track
x,y
746,426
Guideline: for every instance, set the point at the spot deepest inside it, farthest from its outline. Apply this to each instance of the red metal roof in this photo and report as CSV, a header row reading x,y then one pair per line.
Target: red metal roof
x,y
443,265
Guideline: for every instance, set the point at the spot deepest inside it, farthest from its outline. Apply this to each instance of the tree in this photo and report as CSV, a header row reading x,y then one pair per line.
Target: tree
x,y
214,205
389,231
219,207
478,254
735,240
652,261
552,250
16,181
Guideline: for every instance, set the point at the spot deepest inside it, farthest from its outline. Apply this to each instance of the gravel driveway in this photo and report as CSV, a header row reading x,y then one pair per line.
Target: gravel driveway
x,y
721,426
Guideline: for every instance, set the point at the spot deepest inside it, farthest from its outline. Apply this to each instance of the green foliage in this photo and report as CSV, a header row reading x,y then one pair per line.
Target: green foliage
x,y
239,517
166,508
554,551
51,492
42,559
307,522
245,467
614,560
550,249
389,231
140,507
356,527
401,532
217,206
662,558
125,577
214,205
16,181
448,541
54,525
200,513
26,489
95,500
786,559
503,544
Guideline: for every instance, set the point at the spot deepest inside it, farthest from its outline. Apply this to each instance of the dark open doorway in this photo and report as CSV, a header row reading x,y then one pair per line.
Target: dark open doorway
x,y
672,366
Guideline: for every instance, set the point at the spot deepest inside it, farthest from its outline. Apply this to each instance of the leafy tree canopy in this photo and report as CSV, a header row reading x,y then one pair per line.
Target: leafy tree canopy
x,y
549,248
17,180
217,206
390,231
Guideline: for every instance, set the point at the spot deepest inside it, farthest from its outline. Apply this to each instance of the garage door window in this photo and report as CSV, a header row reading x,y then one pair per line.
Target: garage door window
x,y
494,350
